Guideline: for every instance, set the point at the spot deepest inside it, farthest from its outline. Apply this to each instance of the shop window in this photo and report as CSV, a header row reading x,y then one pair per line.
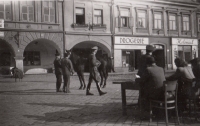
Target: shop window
x,y
49,11
27,11
80,16
98,17
5,10
141,19
125,16
32,58
172,22
5,59
185,53
186,22
157,20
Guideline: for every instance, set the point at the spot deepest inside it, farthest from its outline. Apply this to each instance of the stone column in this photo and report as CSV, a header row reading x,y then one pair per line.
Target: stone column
x,y
19,62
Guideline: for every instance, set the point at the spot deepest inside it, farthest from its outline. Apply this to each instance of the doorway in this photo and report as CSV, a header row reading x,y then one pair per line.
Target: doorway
x,y
159,55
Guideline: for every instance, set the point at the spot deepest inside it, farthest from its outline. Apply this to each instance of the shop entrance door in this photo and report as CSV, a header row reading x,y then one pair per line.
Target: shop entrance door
x,y
159,56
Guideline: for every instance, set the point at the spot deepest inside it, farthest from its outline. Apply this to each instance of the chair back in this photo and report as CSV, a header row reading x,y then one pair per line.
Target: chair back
x,y
170,85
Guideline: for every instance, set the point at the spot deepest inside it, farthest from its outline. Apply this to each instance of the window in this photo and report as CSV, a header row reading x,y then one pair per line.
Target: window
x,y
98,17
157,20
186,23
80,16
5,10
141,19
32,58
27,11
185,52
172,22
124,17
49,11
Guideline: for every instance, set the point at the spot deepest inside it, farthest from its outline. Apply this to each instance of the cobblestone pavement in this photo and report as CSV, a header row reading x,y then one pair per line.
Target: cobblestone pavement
x,y
34,102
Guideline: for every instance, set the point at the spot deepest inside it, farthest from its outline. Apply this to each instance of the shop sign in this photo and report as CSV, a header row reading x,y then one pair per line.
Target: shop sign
x,y
183,41
131,40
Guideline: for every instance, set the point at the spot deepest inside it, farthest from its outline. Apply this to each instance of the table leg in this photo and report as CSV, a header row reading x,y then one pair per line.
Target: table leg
x,y
123,91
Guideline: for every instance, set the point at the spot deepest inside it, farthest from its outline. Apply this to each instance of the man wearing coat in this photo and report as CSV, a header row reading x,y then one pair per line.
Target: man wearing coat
x,y
94,73
58,71
152,82
67,69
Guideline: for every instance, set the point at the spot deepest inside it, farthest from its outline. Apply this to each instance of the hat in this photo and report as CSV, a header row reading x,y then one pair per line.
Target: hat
x,y
57,53
95,48
150,48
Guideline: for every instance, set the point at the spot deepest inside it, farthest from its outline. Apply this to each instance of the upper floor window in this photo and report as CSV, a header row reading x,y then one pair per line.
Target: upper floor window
x,y
80,16
27,10
186,22
125,15
49,11
141,19
98,17
172,22
157,20
5,10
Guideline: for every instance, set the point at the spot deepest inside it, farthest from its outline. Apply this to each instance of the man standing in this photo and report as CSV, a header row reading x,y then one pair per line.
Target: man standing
x,y
94,73
67,69
58,71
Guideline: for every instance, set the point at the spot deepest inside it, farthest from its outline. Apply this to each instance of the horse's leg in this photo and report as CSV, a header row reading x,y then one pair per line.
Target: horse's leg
x,y
105,77
80,81
83,80
101,75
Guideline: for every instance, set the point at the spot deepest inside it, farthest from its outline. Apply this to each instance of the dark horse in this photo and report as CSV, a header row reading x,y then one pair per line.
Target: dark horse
x,y
103,70
79,63
79,66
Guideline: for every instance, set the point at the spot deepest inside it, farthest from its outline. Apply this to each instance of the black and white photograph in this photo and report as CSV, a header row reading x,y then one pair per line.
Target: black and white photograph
x,y
99,62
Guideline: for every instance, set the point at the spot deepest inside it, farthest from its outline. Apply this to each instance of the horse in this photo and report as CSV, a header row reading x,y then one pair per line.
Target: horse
x,y
103,70
79,66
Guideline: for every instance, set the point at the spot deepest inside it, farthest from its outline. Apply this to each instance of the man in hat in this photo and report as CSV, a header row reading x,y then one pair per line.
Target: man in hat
x,y
143,67
67,69
58,71
94,73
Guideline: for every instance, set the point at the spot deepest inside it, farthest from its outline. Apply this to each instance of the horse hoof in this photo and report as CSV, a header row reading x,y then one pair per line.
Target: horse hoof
x,y
80,88
104,86
84,88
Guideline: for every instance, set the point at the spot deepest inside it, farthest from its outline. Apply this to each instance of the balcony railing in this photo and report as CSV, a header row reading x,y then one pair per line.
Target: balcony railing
x,y
80,25
89,26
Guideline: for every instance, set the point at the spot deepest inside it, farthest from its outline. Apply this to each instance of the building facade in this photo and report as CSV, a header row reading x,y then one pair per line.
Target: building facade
x,y
31,34
32,31
169,25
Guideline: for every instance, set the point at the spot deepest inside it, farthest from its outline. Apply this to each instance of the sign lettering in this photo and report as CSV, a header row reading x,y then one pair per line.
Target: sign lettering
x,y
182,41
131,40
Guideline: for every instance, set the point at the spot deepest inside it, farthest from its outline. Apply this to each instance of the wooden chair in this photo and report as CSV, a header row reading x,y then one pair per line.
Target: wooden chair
x,y
169,101
193,100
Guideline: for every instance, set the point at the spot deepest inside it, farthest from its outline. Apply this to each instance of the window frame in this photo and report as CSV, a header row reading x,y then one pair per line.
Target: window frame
x,y
49,15
128,18
176,21
182,22
137,18
98,16
27,7
162,24
4,12
83,15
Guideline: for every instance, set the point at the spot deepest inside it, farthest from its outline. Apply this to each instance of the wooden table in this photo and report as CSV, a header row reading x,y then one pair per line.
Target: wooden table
x,y
126,84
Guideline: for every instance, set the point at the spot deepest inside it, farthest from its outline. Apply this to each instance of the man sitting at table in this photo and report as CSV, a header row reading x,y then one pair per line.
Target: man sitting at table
x,y
152,83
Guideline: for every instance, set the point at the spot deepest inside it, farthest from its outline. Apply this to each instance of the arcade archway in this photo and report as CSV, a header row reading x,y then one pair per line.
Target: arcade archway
x,y
39,56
